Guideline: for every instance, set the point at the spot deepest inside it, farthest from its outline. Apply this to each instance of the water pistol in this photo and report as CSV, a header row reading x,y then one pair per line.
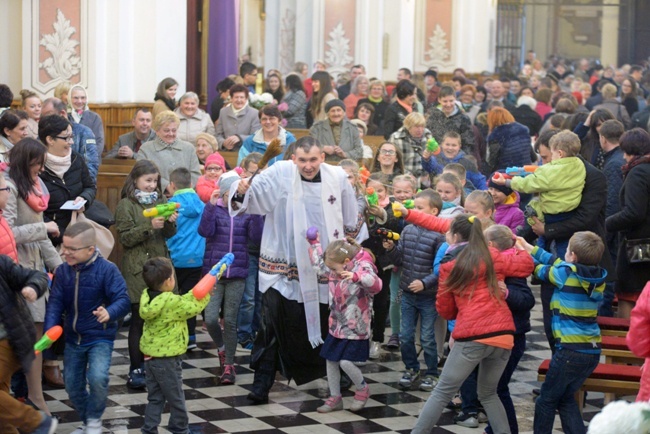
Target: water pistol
x,y
432,146
207,282
372,197
364,174
163,210
387,234
521,171
48,339
312,235
408,204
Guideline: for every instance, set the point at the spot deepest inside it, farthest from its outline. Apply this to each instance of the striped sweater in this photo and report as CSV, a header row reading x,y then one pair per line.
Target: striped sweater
x,y
574,304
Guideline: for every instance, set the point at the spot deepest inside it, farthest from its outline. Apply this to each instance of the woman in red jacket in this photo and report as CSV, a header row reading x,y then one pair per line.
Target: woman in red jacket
x,y
470,291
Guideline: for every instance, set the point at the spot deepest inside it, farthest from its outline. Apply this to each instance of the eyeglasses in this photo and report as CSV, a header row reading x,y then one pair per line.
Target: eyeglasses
x,y
66,138
73,249
214,169
387,152
5,189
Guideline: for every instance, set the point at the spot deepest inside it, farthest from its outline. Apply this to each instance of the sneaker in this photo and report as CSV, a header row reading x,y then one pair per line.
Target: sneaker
x,y
47,426
80,429
455,403
136,380
374,350
246,346
360,399
428,383
410,376
482,417
228,376
94,426
222,358
393,342
468,420
191,343
333,403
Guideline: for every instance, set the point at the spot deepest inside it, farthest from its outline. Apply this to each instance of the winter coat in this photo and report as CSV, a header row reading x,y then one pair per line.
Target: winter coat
x,y
380,112
192,126
614,163
520,299
205,187
295,113
140,240
79,290
92,120
508,145
76,182
509,213
165,316
85,145
170,156
638,339
226,234
437,164
641,119
577,294
633,222
255,143
415,253
129,140
350,299
528,117
618,110
394,118
411,149
16,323
439,124
479,315
242,125
350,142
187,247
7,240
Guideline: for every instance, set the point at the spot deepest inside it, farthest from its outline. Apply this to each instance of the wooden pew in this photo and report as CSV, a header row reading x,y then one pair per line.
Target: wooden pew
x,y
613,326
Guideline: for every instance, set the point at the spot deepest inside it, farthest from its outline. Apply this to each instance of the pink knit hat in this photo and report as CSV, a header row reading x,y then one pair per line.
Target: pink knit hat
x,y
217,159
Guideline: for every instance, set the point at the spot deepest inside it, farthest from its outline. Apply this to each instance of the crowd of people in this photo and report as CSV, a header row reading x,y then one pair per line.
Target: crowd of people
x,y
478,185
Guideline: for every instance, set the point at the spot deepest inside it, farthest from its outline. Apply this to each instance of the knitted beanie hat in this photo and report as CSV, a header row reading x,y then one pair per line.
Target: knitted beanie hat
x,y
502,188
217,159
334,103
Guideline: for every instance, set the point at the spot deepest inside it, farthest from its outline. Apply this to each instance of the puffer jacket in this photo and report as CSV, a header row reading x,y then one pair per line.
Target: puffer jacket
x,y
7,240
86,145
255,143
638,339
79,290
481,315
520,299
226,234
76,182
15,319
140,240
439,124
509,214
187,247
165,328
508,145
415,253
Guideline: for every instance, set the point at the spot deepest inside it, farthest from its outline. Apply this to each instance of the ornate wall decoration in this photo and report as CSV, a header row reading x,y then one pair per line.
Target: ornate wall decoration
x,y
438,51
63,63
338,55
287,41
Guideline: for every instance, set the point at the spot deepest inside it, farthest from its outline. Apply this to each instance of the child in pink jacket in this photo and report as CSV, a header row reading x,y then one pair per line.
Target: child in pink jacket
x,y
215,166
638,339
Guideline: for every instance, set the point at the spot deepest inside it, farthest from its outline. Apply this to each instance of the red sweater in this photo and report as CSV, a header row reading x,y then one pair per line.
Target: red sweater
x,y
7,241
481,315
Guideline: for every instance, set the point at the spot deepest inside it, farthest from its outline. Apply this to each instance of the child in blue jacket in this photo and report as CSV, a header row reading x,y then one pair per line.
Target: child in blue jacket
x,y
186,248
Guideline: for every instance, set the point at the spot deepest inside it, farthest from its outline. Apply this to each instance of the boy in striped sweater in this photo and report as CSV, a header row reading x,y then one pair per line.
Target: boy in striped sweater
x,y
579,284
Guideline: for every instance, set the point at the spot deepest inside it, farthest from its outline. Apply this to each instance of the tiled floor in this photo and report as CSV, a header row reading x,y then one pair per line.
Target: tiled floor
x,y
224,409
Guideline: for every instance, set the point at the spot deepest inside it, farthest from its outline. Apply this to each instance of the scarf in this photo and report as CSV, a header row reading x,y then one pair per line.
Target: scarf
x,y
170,103
76,115
235,111
39,197
641,159
406,107
58,165
145,197
375,101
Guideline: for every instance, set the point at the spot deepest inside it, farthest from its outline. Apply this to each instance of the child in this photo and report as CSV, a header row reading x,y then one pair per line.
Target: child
x,y
637,339
579,283
451,153
506,204
353,282
163,342
451,191
351,168
415,252
520,300
250,309
468,292
17,338
461,173
215,166
186,248
142,238
481,204
91,293
225,234
559,183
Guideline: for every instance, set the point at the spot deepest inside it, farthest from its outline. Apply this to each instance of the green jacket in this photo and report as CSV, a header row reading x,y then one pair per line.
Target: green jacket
x,y
165,322
559,184
140,242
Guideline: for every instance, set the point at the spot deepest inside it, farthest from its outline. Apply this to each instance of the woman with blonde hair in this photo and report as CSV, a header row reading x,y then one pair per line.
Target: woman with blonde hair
x,y
61,91
411,140
32,104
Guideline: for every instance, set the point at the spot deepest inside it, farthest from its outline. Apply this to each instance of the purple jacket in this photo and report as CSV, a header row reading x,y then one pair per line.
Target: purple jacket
x,y
226,234
510,215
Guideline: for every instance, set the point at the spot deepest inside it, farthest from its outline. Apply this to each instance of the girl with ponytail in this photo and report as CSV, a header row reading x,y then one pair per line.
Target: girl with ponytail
x,y
471,291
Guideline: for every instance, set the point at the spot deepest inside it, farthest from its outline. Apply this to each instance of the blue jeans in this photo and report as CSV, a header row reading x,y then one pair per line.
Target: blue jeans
x,y
250,309
566,374
87,365
424,307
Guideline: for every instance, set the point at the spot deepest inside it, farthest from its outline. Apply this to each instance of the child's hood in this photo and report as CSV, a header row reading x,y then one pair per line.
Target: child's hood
x,y
589,277
363,255
152,304
191,204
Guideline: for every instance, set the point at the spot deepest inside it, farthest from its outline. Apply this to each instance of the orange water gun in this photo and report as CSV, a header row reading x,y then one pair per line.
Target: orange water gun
x,y
207,282
48,339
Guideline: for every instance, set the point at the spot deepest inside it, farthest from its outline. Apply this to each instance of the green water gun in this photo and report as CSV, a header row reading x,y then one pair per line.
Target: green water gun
x,y
432,146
